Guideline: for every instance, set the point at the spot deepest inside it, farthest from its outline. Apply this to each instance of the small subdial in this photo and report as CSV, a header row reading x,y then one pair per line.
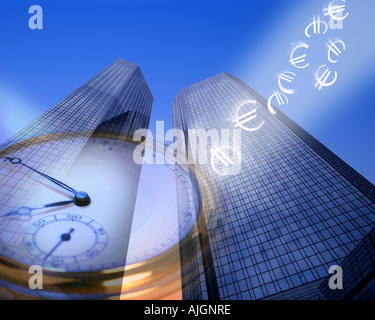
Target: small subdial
x,y
64,240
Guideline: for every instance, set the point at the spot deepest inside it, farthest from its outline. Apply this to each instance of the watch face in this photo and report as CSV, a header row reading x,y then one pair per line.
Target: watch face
x,y
84,205
81,238
97,232
156,227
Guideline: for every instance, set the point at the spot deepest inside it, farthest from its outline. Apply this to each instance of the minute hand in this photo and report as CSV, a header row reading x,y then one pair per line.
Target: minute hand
x,y
59,183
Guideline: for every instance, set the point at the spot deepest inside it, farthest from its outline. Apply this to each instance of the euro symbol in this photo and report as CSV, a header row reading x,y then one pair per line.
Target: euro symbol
x,y
321,80
286,77
316,26
241,120
297,61
279,97
333,48
225,161
336,11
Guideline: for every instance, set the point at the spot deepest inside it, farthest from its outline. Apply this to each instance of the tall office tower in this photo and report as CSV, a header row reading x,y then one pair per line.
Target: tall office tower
x,y
117,99
68,186
293,210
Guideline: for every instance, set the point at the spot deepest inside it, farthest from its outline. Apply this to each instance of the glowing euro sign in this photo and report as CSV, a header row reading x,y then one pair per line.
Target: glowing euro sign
x,y
335,11
244,118
333,48
296,61
225,161
286,77
316,24
279,97
321,80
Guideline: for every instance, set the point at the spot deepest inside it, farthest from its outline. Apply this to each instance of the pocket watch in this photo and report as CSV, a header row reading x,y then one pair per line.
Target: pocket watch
x,y
84,211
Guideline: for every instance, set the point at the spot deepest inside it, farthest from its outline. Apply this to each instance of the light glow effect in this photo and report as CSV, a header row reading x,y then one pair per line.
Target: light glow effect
x,y
285,76
321,80
295,61
333,9
240,120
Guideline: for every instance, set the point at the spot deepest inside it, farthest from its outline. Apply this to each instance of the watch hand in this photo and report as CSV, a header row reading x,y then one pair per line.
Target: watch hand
x,y
81,198
63,237
26,210
59,183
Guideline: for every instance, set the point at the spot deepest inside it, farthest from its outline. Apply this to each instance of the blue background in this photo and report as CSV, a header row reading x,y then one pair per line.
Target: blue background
x,y
177,43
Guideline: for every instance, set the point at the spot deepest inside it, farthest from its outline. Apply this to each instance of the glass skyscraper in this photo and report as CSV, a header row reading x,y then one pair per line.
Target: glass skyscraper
x,y
88,130
117,99
273,230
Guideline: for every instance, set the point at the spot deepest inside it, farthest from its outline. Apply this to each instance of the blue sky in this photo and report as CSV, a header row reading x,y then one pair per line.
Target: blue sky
x,y
179,42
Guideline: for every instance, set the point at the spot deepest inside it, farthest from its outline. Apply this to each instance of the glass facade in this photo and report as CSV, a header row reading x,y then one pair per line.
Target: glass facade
x,y
82,133
358,273
117,101
294,209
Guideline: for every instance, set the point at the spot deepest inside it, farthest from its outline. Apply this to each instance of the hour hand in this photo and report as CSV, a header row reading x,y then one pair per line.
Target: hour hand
x,y
24,211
